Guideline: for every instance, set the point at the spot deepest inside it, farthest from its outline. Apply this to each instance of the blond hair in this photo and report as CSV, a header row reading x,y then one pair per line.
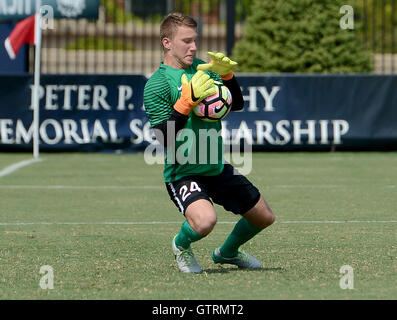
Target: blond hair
x,y
172,21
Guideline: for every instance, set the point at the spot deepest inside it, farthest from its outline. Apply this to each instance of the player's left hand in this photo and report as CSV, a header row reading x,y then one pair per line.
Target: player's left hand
x,y
221,64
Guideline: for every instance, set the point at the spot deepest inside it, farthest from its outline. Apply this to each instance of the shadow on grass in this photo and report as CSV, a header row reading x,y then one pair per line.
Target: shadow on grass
x,y
234,269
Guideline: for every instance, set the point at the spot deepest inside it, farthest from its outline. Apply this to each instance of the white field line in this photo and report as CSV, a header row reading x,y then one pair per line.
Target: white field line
x,y
16,166
179,222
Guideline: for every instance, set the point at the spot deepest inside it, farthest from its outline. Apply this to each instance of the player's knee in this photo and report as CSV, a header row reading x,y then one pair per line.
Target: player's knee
x,y
205,225
269,217
201,216
262,215
265,220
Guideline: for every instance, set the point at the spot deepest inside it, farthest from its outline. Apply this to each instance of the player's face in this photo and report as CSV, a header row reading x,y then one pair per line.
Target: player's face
x,y
182,48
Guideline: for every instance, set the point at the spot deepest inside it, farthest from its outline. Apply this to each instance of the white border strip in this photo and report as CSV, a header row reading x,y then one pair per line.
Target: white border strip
x,y
16,166
179,222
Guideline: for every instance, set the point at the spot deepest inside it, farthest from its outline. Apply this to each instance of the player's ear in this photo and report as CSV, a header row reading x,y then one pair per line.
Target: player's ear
x,y
166,43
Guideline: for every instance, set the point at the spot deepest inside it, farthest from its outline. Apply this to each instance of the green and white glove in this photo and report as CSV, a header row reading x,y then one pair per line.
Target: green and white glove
x,y
220,64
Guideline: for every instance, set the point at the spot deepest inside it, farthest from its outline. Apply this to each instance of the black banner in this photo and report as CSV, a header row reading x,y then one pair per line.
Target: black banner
x,y
318,112
281,112
79,113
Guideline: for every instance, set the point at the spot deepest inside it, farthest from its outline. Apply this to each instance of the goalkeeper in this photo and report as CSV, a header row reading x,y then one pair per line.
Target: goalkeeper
x,y
179,84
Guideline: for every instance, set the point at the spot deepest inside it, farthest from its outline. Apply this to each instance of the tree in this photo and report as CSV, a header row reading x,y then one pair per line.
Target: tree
x,y
300,36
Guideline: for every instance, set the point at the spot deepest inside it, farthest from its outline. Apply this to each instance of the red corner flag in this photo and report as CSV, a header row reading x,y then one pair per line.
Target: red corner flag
x,y
23,33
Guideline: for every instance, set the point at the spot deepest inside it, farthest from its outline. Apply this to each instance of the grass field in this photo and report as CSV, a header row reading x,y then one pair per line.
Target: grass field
x,y
104,223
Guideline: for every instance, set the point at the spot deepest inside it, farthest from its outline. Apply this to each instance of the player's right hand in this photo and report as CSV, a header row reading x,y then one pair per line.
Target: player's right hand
x,y
198,88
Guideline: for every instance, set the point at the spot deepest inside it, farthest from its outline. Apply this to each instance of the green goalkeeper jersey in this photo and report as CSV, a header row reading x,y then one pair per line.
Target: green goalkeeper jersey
x,y
198,148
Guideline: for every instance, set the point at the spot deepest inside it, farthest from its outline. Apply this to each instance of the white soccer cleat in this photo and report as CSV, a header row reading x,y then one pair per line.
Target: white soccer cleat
x,y
242,260
185,259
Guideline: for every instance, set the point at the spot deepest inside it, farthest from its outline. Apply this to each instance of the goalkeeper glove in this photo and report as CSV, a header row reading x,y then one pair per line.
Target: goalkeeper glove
x,y
221,64
200,86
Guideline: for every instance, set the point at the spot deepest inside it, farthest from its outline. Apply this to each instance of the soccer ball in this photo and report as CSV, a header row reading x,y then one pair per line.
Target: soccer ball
x,y
215,107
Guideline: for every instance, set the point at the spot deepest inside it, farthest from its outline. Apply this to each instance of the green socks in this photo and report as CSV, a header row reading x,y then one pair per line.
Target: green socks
x,y
242,232
186,236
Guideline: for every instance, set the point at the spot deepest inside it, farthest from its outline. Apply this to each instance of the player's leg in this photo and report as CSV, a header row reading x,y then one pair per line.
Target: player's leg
x,y
193,202
250,224
261,216
241,197
200,220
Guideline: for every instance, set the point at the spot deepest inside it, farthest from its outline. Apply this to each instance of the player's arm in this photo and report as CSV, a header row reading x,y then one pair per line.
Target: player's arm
x,y
223,66
237,95
170,126
193,91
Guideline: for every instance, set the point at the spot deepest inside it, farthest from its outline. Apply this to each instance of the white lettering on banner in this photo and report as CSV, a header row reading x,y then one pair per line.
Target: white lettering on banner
x,y
267,133
57,130
68,89
69,131
281,129
51,97
95,98
99,132
100,93
85,130
134,127
324,131
142,134
88,97
12,7
113,131
83,96
125,93
299,131
6,131
22,134
268,98
341,127
243,132
41,95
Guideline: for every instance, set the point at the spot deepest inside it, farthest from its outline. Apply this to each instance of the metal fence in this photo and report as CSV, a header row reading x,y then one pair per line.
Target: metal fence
x,y
126,38
379,30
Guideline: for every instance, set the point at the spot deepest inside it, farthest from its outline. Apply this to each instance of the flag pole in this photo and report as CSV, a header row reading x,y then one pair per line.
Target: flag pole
x,y
36,85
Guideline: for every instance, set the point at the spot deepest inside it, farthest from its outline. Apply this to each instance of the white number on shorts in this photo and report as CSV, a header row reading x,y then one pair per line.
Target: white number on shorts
x,y
183,191
194,187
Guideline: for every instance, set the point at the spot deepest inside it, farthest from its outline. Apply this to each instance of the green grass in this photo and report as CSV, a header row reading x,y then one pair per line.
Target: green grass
x,y
97,260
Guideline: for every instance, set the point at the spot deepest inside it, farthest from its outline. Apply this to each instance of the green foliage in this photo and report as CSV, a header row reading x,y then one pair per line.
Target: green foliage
x,y
115,13
204,5
300,36
99,43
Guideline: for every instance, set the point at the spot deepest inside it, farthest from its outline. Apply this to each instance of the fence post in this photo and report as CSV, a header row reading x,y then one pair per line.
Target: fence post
x,y
230,25
170,6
